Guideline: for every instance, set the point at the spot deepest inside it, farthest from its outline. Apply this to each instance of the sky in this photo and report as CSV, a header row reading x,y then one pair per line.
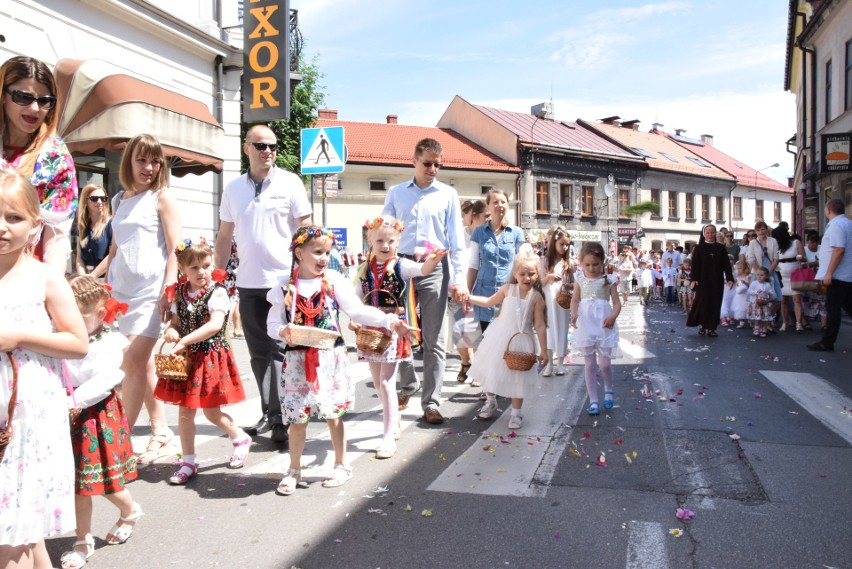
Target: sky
x,y
707,66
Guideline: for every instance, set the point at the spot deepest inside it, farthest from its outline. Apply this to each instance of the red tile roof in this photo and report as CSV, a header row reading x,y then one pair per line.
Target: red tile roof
x,y
744,174
656,147
393,144
550,132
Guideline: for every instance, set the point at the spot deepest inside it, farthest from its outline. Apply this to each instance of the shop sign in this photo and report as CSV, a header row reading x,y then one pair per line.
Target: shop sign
x,y
835,152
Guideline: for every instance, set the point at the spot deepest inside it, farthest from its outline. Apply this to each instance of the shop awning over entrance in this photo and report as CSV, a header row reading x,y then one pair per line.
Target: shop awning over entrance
x,y
103,107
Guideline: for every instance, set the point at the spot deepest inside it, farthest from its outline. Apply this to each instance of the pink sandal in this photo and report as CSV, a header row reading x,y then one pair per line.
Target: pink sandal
x,y
181,477
240,456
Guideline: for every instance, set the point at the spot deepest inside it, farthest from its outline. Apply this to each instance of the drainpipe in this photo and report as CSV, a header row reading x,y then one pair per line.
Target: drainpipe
x,y
731,206
218,112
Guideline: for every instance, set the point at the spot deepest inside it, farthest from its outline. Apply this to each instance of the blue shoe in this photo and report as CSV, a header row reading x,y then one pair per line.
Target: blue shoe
x,y
609,401
593,409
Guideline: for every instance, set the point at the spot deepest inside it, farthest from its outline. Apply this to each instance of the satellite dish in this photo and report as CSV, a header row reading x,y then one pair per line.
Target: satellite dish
x,y
609,190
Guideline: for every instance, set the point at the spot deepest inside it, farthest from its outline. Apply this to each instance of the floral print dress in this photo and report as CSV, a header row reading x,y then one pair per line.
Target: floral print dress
x,y
37,470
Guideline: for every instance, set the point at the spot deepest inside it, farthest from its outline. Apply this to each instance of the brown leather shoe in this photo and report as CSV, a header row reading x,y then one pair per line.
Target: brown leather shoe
x,y
433,416
402,399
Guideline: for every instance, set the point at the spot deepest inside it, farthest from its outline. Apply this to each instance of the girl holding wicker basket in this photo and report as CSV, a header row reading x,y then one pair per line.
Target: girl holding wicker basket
x,y
594,309
510,334
199,309
316,379
557,283
381,283
39,325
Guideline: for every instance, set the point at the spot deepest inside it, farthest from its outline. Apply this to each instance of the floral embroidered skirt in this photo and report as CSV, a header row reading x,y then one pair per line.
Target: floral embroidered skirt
x,y
330,397
214,380
103,454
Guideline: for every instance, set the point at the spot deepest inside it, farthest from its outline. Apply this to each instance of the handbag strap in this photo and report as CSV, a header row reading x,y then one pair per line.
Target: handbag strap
x,y
13,400
68,387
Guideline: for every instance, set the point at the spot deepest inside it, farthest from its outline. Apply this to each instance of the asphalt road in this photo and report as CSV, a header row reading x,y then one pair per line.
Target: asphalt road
x,y
752,435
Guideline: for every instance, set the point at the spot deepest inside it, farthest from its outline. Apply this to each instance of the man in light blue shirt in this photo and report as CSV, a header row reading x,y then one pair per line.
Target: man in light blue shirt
x,y
835,271
431,213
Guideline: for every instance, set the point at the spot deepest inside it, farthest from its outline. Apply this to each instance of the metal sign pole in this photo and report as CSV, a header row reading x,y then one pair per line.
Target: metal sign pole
x,y
312,190
324,202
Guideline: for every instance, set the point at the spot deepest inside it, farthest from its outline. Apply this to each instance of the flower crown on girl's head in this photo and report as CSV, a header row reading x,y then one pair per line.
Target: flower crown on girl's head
x,y
183,245
382,222
311,233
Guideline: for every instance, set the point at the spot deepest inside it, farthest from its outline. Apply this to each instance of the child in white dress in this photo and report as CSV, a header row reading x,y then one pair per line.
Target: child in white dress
x,y
39,325
381,282
317,381
596,336
739,304
761,293
523,308
556,273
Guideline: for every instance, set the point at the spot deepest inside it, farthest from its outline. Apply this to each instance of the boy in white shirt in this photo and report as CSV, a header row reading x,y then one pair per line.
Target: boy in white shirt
x,y
645,280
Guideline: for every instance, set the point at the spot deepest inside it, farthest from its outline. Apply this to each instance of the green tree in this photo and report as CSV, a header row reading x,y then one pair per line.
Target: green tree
x,y
306,98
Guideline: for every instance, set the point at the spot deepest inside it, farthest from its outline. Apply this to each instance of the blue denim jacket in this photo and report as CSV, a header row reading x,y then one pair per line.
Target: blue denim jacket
x,y
496,254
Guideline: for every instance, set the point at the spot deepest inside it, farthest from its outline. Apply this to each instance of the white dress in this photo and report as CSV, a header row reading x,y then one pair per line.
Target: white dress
x,y
37,471
137,270
558,318
488,366
590,336
785,269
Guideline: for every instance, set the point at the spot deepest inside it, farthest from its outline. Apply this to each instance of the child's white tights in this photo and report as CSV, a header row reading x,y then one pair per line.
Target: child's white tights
x,y
594,361
384,381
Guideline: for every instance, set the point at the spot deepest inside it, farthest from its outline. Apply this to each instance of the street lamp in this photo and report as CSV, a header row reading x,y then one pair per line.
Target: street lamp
x,y
756,172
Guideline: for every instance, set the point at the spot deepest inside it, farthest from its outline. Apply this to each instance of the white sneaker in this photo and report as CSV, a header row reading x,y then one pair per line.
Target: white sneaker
x,y
515,422
548,370
560,369
783,327
487,410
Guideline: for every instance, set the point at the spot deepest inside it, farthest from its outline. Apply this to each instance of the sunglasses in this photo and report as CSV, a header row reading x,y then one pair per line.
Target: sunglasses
x,y
96,199
263,146
430,164
26,99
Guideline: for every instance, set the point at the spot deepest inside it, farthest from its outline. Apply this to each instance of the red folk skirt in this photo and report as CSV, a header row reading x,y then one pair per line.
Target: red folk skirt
x,y
103,454
214,380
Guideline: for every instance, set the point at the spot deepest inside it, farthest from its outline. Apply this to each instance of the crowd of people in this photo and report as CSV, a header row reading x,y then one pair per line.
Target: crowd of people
x,y
77,353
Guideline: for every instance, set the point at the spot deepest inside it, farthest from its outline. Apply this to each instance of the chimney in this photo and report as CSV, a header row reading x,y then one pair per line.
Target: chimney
x,y
680,131
612,121
657,127
392,119
707,139
327,114
632,125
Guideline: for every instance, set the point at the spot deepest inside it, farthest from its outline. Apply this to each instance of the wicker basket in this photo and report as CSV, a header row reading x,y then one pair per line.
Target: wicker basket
x,y
171,366
519,361
563,297
312,337
374,341
6,433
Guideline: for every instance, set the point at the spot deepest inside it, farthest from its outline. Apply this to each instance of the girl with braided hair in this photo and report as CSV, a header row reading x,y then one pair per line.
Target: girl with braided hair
x,y
317,381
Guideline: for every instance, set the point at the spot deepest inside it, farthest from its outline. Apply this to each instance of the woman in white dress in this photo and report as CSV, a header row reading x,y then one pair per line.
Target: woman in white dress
x,y
146,228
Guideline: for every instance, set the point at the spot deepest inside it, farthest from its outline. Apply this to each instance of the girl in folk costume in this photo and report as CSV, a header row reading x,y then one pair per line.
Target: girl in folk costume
x,y
103,453
381,283
39,325
317,380
761,295
557,272
594,309
523,309
199,308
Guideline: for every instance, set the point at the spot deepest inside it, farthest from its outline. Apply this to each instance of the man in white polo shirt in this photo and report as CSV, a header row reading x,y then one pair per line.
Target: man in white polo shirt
x,y
262,208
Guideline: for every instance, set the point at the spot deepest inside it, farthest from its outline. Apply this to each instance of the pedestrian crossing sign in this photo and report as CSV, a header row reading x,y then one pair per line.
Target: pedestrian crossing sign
x,y
323,150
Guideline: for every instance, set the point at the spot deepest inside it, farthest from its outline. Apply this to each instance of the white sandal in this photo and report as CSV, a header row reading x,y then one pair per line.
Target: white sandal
x,y
75,559
289,483
161,436
340,475
123,533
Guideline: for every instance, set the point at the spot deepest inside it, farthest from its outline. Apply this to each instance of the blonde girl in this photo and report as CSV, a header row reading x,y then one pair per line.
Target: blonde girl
x,y
103,453
466,330
523,308
761,295
317,381
199,316
739,305
684,281
94,232
594,309
381,282
557,271
146,228
39,325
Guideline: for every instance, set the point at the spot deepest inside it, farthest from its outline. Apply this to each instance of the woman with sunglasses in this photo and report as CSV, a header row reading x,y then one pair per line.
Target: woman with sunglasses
x,y
29,146
94,232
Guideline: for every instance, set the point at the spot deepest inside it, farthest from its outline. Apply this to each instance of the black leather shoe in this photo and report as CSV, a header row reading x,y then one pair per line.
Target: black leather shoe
x,y
279,433
263,426
820,347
